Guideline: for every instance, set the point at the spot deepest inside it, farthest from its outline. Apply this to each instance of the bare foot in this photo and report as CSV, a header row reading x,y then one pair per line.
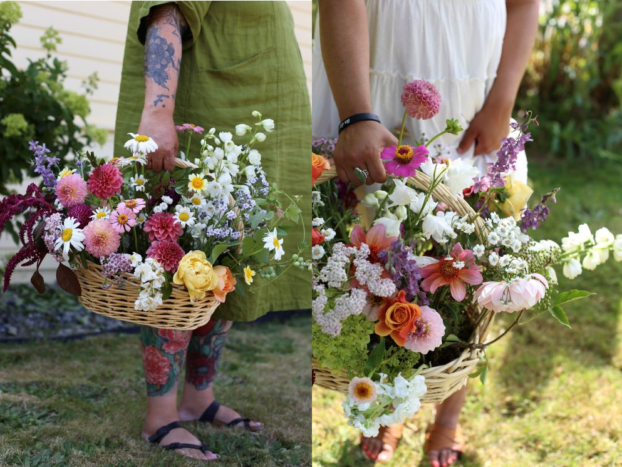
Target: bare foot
x,y
442,457
195,402
382,447
181,435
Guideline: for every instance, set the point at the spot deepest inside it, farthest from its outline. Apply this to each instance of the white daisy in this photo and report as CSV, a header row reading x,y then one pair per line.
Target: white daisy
x,y
71,236
196,200
184,216
273,243
101,213
138,182
317,252
140,144
141,218
136,158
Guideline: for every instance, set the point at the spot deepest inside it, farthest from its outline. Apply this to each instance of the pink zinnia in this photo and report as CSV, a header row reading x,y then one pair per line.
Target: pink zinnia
x,y
105,181
100,238
445,273
71,190
421,99
123,219
163,226
404,160
167,253
135,205
516,295
427,333
189,127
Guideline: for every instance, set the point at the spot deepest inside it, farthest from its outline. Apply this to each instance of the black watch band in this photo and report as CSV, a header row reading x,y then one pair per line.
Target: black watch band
x,y
362,117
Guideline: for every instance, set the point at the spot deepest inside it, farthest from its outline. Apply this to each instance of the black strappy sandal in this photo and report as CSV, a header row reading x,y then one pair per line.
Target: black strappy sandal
x,y
165,430
209,416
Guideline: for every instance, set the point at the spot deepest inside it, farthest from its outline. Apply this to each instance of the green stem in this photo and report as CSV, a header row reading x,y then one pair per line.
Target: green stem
x,y
427,145
188,146
402,129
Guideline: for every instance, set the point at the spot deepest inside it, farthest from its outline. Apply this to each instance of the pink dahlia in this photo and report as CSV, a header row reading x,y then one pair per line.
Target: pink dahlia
x,y
71,190
421,99
163,226
516,295
123,219
100,238
446,272
135,205
403,161
427,333
167,253
105,181
82,213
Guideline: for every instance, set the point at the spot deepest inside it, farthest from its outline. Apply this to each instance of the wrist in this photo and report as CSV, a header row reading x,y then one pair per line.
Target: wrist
x,y
158,111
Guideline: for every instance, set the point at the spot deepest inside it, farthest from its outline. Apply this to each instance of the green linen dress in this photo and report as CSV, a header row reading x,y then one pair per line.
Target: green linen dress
x,y
239,57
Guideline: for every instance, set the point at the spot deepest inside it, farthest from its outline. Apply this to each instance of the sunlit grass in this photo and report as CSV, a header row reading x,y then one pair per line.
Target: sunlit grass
x,y
553,396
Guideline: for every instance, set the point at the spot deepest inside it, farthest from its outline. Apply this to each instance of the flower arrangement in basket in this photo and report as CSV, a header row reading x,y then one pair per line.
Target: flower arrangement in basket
x,y
161,249
402,309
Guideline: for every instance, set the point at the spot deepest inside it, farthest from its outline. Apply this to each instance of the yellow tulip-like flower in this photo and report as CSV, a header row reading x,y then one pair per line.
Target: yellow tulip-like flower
x,y
519,194
197,274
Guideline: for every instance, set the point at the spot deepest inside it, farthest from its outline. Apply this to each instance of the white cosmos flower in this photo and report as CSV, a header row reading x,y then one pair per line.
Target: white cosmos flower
x,y
572,268
439,227
184,216
101,213
140,144
459,176
317,252
138,182
71,236
392,226
402,195
273,243
254,157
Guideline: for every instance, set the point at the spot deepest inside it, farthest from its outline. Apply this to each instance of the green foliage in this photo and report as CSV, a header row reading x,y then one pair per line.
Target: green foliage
x,y
347,351
574,80
35,105
399,360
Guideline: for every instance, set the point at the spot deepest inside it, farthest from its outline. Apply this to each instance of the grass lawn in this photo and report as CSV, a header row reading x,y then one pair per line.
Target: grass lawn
x,y
82,403
553,396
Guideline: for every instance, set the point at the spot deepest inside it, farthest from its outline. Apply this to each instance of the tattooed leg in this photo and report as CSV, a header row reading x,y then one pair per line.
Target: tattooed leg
x,y
164,352
204,352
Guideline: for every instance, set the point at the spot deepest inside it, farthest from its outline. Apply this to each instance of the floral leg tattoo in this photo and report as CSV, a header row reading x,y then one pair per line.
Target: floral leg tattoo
x,y
206,346
164,351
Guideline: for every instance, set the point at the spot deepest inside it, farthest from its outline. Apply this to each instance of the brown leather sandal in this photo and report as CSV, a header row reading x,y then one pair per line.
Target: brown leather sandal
x,y
438,437
391,435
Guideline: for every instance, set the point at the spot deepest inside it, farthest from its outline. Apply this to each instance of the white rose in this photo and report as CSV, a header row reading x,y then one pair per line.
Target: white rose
x,y
572,268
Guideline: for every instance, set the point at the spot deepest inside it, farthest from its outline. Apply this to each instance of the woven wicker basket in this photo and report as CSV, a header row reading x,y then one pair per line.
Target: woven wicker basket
x,y
177,312
441,381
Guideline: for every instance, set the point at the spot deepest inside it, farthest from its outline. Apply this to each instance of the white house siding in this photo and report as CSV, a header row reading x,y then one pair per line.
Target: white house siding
x,y
93,35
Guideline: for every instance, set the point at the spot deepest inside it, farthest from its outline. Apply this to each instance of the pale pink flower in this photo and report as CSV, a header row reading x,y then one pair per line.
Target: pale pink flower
x,y
427,333
362,391
445,273
100,238
516,295
135,205
123,219
71,190
421,99
190,127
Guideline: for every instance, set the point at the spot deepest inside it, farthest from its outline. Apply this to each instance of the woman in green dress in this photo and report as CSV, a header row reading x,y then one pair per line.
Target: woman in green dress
x,y
213,64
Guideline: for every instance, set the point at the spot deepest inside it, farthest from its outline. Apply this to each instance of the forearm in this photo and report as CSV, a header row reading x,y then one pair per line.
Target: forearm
x,y
520,34
345,50
162,59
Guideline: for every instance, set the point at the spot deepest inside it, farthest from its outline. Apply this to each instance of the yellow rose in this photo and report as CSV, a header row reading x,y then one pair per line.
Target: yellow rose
x,y
197,274
518,195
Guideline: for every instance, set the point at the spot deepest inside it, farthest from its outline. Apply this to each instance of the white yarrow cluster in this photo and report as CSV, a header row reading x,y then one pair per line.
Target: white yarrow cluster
x,y
505,233
370,274
348,304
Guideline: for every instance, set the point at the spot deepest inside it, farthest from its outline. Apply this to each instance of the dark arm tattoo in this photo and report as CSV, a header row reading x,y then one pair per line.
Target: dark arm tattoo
x,y
161,98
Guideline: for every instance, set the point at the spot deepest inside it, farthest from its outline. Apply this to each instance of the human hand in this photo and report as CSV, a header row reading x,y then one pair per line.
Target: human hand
x,y
489,126
359,146
160,127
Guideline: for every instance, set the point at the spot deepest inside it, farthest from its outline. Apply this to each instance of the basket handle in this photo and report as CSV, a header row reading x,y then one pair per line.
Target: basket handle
x,y
184,164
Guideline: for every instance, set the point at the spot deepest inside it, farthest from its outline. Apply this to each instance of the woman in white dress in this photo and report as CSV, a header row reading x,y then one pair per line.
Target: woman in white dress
x,y
474,51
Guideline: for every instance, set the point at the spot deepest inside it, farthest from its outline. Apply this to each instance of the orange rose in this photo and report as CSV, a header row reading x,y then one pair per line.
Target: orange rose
x,y
397,318
226,283
318,165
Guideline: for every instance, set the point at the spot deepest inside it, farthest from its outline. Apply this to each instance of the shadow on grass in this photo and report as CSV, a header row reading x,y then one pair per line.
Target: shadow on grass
x,y
542,348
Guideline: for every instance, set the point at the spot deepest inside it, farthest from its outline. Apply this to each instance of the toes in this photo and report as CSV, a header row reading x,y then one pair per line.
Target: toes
x,y
210,456
433,456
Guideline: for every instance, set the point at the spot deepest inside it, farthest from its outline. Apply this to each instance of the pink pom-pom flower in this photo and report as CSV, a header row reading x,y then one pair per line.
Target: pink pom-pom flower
x,y
100,238
421,99
427,333
105,181
167,253
71,190
162,226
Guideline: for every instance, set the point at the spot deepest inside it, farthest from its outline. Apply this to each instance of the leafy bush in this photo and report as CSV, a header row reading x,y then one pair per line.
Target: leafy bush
x,y
574,79
34,105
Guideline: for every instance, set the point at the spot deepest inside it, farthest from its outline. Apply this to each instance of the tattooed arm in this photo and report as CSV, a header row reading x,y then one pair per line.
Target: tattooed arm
x,y
165,28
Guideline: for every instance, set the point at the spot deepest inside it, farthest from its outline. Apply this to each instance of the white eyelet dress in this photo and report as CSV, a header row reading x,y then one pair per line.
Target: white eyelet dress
x,y
454,44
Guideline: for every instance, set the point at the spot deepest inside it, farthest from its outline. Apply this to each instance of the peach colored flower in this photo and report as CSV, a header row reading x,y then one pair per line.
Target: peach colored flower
x,y
318,165
397,318
226,283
